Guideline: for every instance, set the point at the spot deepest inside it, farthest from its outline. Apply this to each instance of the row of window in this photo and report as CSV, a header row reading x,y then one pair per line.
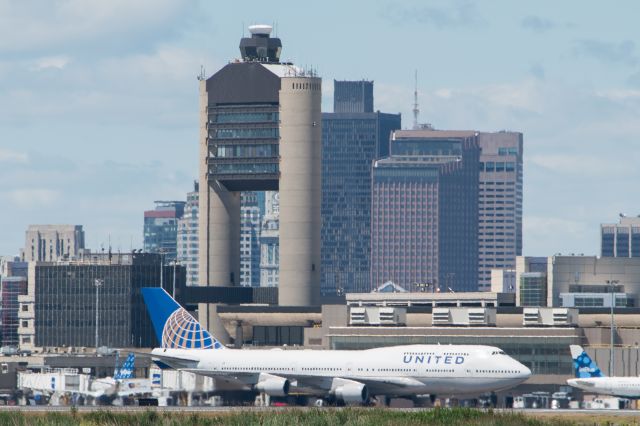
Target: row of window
x,y
508,151
244,168
247,133
497,166
245,117
240,151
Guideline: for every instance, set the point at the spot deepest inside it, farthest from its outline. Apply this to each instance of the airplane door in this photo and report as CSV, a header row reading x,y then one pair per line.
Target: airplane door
x,y
349,369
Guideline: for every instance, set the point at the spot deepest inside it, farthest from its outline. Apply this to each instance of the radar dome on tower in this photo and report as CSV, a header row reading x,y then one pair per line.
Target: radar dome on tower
x,y
260,29
260,47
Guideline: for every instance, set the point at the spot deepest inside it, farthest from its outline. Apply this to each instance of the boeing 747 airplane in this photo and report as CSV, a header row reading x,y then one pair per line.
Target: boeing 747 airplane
x,y
589,377
338,375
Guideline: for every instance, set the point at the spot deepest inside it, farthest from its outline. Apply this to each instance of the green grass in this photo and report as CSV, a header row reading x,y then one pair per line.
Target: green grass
x,y
314,417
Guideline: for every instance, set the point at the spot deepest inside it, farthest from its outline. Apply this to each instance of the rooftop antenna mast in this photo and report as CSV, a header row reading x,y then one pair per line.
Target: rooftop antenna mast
x,y
416,110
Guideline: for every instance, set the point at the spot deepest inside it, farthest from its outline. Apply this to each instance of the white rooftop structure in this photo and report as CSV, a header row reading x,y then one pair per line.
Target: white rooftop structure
x,y
260,29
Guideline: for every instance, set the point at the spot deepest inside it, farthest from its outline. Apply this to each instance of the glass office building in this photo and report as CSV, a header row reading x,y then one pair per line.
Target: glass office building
x,y
424,215
621,239
352,138
65,300
500,203
533,289
188,244
161,229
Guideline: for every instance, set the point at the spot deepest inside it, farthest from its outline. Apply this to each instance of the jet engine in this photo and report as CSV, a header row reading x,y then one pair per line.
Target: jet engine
x,y
352,392
274,386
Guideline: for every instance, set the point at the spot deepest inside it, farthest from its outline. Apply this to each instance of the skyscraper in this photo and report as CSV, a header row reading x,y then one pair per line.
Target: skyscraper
x,y
269,245
52,242
351,141
620,239
161,228
500,203
251,208
424,218
260,131
188,236
10,289
352,96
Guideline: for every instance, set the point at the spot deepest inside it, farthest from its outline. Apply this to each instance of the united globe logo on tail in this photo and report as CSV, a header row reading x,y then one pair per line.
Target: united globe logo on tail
x,y
182,331
175,327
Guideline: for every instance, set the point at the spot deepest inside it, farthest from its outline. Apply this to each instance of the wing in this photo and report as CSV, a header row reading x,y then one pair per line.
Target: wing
x,y
235,381
175,362
376,385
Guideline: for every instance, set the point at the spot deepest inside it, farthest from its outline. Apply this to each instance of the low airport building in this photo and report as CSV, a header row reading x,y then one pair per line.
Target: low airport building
x,y
539,337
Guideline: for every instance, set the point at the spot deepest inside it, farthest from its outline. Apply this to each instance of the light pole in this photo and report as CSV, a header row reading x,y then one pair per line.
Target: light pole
x,y
612,287
174,278
161,266
98,282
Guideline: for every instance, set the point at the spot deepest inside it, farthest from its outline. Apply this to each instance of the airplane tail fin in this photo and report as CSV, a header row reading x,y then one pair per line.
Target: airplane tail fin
x,y
583,365
126,370
174,326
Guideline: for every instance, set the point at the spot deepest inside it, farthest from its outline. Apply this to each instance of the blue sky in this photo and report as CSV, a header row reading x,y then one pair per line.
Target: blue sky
x,y
98,100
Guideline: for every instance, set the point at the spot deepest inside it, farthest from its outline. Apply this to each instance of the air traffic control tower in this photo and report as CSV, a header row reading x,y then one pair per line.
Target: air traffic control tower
x,y
260,130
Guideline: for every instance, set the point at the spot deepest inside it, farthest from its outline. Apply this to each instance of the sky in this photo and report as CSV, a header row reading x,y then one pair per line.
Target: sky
x,y
99,99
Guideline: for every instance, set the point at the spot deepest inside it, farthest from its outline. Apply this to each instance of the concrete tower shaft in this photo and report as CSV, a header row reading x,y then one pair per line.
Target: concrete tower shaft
x,y
261,131
300,190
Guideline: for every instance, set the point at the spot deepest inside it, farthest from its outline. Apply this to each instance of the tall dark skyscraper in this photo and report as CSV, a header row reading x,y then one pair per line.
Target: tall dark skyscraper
x,y
424,215
351,141
352,96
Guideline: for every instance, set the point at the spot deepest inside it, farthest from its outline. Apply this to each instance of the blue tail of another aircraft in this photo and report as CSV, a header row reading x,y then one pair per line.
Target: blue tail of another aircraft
x,y
174,326
583,365
126,370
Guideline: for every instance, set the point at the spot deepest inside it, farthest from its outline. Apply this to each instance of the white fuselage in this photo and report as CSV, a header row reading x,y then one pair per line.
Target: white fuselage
x,y
617,386
399,370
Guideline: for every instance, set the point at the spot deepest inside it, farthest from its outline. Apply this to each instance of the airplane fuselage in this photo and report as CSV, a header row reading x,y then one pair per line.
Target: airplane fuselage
x,y
399,370
628,387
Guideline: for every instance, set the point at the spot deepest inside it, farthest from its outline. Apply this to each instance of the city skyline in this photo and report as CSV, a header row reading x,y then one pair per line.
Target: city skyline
x,y
99,101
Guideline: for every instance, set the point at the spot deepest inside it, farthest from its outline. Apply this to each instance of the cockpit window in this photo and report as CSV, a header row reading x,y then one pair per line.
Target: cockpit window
x,y
498,353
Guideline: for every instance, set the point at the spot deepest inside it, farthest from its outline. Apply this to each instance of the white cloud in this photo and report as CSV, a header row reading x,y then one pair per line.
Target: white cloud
x,y
32,197
619,94
29,25
9,156
582,165
55,62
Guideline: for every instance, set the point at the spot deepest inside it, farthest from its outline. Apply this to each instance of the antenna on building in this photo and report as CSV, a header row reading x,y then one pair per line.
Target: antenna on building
x,y
416,110
201,76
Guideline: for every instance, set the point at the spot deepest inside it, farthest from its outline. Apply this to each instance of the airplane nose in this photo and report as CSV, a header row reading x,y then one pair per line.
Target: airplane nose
x,y
526,371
